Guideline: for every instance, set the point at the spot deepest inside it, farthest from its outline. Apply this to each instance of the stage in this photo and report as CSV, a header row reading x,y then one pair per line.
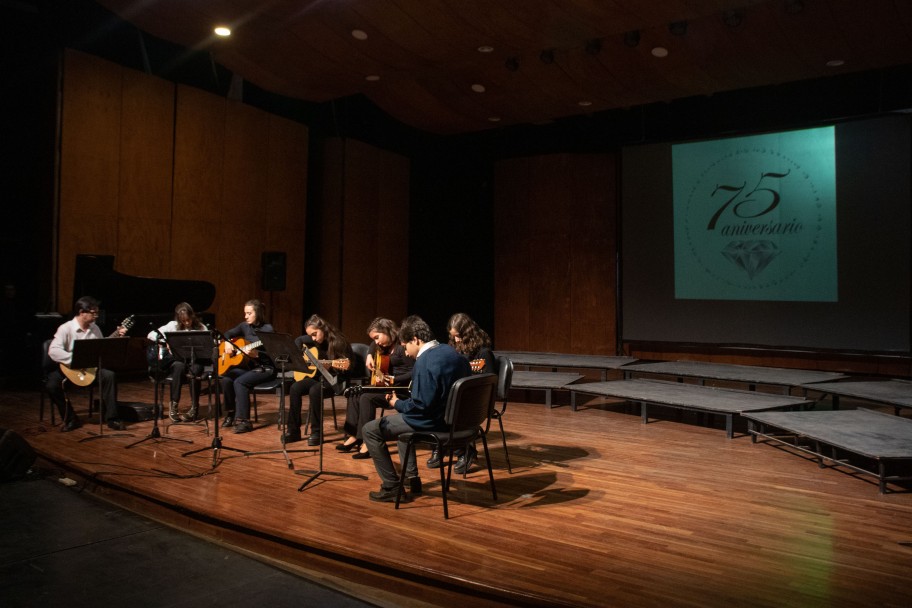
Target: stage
x,y
601,510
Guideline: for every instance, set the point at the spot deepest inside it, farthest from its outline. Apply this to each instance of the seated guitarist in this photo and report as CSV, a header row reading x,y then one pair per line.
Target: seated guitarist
x,y
253,367
330,345
81,327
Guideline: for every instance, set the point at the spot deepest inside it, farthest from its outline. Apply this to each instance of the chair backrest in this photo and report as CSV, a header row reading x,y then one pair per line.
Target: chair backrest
x,y
358,370
470,402
47,364
504,376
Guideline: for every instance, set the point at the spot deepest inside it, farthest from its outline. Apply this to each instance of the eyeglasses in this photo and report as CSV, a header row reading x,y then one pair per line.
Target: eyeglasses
x,y
94,311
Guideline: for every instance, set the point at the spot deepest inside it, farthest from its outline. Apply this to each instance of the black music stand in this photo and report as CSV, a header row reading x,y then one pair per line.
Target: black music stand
x,y
319,471
216,438
194,346
283,351
95,353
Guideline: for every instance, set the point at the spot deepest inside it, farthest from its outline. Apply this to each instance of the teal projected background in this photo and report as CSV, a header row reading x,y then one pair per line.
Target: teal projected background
x,y
755,217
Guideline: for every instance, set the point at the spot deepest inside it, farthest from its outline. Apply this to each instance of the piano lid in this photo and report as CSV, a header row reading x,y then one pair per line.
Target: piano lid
x,y
95,276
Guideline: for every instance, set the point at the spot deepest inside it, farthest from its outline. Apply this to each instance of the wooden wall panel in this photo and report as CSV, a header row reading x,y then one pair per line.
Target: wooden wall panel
x,y
89,166
146,162
365,208
197,230
555,282
286,219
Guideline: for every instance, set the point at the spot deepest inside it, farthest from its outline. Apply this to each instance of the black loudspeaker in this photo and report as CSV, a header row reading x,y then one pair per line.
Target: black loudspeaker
x,y
16,455
273,270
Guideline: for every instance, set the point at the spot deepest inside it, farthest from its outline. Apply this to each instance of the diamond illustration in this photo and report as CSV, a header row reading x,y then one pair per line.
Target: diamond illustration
x,y
751,256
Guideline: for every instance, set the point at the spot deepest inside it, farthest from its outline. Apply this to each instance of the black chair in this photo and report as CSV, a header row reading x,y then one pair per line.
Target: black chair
x,y
48,364
468,406
504,380
163,380
357,374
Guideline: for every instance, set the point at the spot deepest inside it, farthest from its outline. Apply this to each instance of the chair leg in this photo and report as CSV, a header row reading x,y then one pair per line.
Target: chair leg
x,y
405,459
332,400
503,436
484,442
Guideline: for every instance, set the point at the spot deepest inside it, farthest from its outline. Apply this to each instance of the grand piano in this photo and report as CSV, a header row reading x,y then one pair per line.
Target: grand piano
x,y
151,301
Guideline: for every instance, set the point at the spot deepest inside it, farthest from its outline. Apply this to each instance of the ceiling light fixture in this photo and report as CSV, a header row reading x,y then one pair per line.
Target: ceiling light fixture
x,y
494,119
478,88
222,30
359,34
659,51
632,38
835,63
372,78
486,49
677,28
584,103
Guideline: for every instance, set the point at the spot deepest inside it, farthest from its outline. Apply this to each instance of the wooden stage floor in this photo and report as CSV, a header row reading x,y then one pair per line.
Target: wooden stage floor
x,y
601,510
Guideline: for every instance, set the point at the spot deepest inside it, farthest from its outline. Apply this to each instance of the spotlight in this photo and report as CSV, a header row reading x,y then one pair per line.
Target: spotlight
x,y
678,28
512,64
594,46
547,56
632,38
732,18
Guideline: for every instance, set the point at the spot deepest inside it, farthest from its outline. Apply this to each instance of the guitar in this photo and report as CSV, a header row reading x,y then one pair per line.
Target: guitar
x,y
86,376
241,349
477,365
379,375
342,364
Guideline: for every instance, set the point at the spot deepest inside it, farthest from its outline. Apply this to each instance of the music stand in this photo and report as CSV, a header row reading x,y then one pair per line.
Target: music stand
x,y
192,347
216,438
319,471
283,351
95,353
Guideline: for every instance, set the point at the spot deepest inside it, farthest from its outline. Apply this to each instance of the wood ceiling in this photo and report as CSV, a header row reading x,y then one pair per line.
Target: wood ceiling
x,y
420,61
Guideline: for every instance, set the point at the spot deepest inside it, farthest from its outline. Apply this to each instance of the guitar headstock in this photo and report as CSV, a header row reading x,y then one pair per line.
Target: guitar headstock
x,y
477,365
128,322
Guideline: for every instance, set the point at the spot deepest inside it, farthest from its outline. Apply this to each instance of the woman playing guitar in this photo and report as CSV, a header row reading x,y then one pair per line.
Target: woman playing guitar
x,y
394,369
332,347
253,366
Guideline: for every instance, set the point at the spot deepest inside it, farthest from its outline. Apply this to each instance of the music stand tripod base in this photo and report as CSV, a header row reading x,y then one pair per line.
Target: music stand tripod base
x,y
95,353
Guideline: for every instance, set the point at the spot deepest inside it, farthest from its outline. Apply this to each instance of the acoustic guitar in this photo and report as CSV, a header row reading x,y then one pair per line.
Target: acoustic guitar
x,y
342,364
86,376
242,349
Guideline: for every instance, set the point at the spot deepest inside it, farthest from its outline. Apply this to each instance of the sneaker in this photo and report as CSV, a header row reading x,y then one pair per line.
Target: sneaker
x,y
242,426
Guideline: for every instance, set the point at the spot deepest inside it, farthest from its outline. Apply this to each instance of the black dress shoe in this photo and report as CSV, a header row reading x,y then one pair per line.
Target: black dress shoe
x,y
291,437
384,495
361,455
351,447
314,439
242,426
116,425
71,425
228,421
434,461
465,461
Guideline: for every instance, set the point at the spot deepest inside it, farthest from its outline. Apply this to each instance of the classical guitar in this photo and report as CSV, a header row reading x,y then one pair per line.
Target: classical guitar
x,y
85,377
241,350
477,365
342,364
379,375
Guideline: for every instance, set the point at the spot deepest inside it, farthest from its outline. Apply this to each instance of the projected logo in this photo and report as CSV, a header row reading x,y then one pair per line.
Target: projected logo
x,y
755,217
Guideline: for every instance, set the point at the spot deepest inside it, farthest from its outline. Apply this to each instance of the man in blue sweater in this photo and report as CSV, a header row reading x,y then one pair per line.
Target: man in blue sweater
x,y
437,367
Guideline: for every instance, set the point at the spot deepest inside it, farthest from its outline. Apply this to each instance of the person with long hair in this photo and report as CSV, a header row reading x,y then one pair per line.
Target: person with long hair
x,y
395,370
473,343
437,367
328,345
185,319
255,368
